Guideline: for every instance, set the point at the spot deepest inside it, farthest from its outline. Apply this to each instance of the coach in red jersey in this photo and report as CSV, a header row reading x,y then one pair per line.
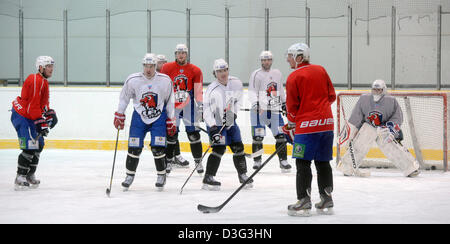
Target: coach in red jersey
x,y
188,91
309,95
31,117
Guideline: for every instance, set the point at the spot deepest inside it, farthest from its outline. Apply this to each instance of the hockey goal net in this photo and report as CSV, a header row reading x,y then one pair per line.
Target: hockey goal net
x,y
425,127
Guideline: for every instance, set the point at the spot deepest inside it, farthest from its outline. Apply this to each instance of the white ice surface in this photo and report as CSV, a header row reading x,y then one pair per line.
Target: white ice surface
x,y
73,185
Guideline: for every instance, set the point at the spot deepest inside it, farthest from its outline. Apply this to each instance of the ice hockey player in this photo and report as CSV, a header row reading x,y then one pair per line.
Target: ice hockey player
x,y
309,95
222,101
153,105
32,117
161,61
268,99
377,117
188,87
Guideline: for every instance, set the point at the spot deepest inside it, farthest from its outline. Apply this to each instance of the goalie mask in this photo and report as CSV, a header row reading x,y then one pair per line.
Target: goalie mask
x,y
378,90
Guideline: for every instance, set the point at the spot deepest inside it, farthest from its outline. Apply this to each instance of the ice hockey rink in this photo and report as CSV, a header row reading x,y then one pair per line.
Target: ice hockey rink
x,y
73,185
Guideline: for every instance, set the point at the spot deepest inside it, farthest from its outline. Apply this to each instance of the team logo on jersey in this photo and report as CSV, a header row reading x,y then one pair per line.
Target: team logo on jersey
x,y
375,118
271,92
150,102
180,86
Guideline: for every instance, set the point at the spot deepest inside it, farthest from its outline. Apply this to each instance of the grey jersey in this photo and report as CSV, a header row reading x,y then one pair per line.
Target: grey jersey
x,y
376,113
150,96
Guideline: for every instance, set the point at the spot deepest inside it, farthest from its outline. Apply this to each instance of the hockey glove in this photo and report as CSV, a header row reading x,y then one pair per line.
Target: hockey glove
x,y
171,127
214,134
289,132
229,118
119,120
52,120
283,109
394,128
41,126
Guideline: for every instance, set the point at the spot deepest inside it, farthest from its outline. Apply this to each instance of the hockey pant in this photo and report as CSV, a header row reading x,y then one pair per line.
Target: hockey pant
x,y
361,144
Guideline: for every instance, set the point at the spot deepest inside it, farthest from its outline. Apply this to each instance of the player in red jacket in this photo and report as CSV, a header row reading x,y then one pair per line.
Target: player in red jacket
x,y
188,90
309,95
31,117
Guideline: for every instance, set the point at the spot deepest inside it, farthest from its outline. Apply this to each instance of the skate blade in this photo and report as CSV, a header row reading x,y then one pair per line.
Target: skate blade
x,y
325,211
160,188
300,213
20,188
180,166
210,188
285,171
125,189
34,186
248,186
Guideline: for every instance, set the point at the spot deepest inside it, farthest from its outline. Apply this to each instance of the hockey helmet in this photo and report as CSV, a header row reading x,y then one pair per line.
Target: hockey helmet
x,y
161,57
220,64
299,49
379,89
265,55
181,48
44,61
149,58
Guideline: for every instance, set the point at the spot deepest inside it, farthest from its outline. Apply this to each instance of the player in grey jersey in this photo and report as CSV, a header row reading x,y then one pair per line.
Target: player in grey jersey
x,y
375,117
154,112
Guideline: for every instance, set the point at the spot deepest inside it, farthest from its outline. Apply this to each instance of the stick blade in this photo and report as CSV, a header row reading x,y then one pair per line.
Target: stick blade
x,y
206,209
108,192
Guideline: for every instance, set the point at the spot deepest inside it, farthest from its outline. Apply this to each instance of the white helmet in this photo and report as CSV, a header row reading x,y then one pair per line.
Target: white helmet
x,y
299,49
378,84
161,57
181,48
44,61
265,55
220,64
149,58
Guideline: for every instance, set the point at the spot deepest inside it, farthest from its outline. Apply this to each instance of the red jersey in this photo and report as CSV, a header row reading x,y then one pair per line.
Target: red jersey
x,y
187,82
309,95
33,98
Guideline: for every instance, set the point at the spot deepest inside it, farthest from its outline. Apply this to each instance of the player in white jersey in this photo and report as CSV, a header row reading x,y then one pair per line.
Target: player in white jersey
x,y
268,99
153,104
375,117
221,102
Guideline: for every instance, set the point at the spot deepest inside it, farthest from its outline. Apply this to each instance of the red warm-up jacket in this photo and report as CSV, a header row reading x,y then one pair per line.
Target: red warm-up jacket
x,y
34,98
309,95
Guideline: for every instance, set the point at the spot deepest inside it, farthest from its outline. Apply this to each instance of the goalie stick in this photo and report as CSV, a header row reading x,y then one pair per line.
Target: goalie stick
x,y
206,209
108,190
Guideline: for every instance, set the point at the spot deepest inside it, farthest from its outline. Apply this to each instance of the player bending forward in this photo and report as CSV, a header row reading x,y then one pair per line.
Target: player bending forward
x,y
222,101
153,104
31,117
376,117
266,94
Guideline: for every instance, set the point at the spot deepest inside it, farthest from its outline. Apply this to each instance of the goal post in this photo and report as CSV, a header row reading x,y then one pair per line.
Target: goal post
x,y
425,127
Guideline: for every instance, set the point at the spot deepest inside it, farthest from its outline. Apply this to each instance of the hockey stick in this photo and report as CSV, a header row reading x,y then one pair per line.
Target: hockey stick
x,y
108,190
201,159
249,109
206,209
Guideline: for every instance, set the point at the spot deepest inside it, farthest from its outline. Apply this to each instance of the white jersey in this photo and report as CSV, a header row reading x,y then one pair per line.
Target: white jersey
x,y
266,87
150,96
219,97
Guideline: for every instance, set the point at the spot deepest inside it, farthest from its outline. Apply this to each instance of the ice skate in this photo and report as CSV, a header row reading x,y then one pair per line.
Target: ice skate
x,y
21,183
34,183
127,182
169,163
285,166
242,178
199,166
257,164
160,182
180,162
414,174
301,208
210,184
325,206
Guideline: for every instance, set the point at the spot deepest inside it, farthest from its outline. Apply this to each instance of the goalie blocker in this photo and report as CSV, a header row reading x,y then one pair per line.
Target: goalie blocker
x,y
360,145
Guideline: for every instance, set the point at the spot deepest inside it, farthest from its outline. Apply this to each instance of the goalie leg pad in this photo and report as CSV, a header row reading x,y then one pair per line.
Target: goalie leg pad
x,y
357,150
399,156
